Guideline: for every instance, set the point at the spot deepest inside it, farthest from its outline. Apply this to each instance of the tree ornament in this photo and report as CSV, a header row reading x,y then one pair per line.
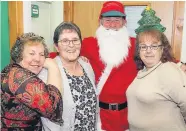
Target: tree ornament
x,y
149,21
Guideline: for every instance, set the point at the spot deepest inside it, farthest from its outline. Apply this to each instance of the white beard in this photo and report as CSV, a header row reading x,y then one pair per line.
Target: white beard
x,y
113,45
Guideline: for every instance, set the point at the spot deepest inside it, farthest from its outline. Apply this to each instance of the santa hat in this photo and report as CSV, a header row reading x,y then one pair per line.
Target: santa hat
x,y
112,8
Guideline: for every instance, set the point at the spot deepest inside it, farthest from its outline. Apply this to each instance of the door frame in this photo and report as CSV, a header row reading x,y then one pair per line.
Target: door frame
x,y
68,12
15,16
176,44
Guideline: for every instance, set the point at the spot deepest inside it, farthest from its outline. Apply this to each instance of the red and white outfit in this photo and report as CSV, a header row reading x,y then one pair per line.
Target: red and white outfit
x,y
112,83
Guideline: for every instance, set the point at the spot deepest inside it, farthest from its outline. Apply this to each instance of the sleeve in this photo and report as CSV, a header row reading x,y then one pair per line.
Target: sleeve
x,y
176,87
34,93
47,124
86,47
179,96
52,55
131,65
83,48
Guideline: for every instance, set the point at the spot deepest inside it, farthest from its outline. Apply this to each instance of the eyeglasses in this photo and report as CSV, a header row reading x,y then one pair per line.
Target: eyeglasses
x,y
108,20
152,47
67,42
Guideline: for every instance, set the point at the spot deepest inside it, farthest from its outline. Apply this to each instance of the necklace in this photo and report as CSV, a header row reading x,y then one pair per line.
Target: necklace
x,y
148,72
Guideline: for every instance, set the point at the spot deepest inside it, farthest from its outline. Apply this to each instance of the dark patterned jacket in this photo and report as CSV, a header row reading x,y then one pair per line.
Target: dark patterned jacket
x,y
25,98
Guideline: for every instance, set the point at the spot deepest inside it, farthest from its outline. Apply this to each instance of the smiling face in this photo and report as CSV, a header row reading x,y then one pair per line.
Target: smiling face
x,y
150,50
33,57
113,23
69,45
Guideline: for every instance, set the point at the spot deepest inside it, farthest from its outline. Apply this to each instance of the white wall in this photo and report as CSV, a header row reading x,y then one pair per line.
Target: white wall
x,y
27,16
41,25
57,15
50,15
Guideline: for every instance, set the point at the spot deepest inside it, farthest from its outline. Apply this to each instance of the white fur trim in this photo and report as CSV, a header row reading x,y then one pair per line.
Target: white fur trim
x,y
103,78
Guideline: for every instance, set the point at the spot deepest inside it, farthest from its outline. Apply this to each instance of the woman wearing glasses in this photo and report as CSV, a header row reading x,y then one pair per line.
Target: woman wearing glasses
x,y
157,96
80,99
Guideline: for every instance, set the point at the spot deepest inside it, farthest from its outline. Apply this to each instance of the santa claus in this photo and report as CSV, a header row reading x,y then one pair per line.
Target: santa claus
x,y
111,54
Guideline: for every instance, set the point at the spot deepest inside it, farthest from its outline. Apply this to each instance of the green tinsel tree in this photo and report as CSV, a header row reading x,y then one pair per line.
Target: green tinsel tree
x,y
149,21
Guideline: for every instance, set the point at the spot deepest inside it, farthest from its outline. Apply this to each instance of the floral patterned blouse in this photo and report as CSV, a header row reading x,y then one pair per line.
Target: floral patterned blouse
x,y
25,98
85,99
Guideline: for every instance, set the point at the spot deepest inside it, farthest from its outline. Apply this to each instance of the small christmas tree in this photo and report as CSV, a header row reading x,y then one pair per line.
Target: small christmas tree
x,y
149,21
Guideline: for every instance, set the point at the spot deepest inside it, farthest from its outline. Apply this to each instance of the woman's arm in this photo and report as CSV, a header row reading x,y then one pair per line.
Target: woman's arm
x,y
178,95
174,81
44,99
54,76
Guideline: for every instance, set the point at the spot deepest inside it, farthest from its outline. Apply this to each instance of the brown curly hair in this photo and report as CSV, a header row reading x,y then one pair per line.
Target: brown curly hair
x,y
157,36
18,47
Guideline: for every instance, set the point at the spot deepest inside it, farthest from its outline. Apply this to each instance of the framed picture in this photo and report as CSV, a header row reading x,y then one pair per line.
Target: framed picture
x,y
133,15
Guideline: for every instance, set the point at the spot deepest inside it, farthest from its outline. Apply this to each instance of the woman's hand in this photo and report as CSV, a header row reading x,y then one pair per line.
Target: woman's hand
x,y
49,63
54,75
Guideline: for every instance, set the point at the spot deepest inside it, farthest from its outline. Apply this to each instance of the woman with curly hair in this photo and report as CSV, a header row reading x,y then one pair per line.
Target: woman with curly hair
x,y
157,96
24,97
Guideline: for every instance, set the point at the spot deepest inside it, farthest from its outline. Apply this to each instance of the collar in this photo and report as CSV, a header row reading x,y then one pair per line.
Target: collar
x,y
143,73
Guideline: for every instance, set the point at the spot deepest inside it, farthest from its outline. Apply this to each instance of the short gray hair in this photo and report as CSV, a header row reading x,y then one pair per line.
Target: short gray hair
x,y
66,26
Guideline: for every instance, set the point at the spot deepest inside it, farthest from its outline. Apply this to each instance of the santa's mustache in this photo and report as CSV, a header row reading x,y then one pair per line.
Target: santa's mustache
x,y
103,32
111,29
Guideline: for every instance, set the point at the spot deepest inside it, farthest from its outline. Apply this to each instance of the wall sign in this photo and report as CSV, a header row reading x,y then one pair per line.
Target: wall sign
x,y
34,11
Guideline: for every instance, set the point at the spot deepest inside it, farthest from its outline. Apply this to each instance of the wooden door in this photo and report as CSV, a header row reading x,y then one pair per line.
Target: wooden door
x,y
84,14
15,10
178,20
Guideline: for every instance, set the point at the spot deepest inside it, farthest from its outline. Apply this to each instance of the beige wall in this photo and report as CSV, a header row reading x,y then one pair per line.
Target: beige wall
x,y
164,10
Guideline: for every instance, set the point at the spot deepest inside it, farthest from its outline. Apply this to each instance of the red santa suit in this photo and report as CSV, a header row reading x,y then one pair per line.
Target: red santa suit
x,y
113,88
